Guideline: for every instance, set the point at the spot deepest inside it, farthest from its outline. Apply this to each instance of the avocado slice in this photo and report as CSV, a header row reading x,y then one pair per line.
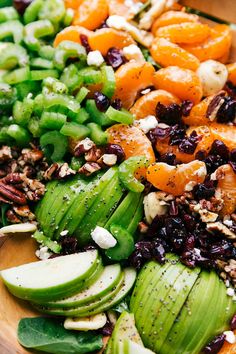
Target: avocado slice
x,y
100,210
109,279
126,210
124,329
84,201
51,279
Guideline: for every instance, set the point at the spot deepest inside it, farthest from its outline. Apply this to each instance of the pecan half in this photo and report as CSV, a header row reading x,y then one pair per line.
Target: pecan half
x,y
214,106
58,171
12,218
83,146
93,155
12,194
24,212
33,189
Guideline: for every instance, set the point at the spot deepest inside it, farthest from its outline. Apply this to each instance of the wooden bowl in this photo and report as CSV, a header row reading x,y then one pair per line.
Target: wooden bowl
x,y
20,249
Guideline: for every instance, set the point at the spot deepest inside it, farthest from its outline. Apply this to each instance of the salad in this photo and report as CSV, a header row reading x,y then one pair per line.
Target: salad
x,y
118,156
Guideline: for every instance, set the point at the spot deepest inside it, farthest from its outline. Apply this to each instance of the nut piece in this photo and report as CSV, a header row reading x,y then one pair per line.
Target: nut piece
x,y
5,154
12,194
33,189
93,155
24,212
83,146
155,204
18,228
207,216
109,159
221,228
89,167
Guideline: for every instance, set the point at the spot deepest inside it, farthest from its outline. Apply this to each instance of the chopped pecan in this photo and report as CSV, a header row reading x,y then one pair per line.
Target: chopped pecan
x,y
89,168
24,212
12,194
5,154
83,146
12,218
33,189
214,105
93,155
58,171
32,155
218,227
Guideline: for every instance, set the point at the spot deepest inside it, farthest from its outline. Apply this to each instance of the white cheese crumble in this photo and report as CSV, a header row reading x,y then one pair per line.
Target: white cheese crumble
x,y
133,53
213,76
230,292
43,253
103,238
230,337
95,58
146,124
120,23
64,232
109,159
155,203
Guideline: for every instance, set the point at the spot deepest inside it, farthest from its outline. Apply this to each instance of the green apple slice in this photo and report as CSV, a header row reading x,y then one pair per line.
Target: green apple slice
x,y
124,328
130,347
51,279
101,305
109,278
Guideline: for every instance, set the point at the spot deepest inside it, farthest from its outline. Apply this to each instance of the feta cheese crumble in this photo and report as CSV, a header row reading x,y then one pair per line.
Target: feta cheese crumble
x,y
103,238
146,124
43,253
230,337
133,53
95,58
64,232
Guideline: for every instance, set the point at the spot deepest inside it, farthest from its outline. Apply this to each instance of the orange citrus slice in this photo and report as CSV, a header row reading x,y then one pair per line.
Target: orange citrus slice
x,y
214,47
174,179
91,14
146,105
225,133
183,83
173,18
232,72
186,32
167,53
227,187
133,141
72,4
71,33
198,113
131,78
106,38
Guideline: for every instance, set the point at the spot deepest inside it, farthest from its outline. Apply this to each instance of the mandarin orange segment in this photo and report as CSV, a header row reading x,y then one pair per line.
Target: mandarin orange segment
x,y
227,188
186,32
106,38
225,133
71,33
131,78
198,113
232,72
167,53
73,4
133,141
173,18
183,83
91,14
146,105
214,47
206,139
174,179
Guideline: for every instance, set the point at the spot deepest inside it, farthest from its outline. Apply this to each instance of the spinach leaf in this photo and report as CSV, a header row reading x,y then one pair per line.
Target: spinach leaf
x,y
49,335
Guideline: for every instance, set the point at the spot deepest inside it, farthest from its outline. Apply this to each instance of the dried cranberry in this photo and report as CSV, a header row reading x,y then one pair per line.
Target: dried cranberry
x,y
215,345
158,252
69,244
21,5
85,43
107,329
233,165
168,158
102,101
115,57
116,150
219,148
232,156
170,115
230,88
222,249
187,105
233,323
204,190
136,259
177,134
117,104
189,222
213,162
227,111
201,155
158,134
188,144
